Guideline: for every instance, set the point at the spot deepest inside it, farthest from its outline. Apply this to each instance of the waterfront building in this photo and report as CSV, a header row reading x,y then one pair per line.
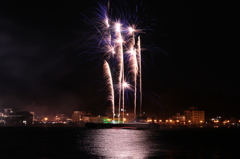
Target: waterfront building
x,y
194,116
8,111
179,119
78,116
18,118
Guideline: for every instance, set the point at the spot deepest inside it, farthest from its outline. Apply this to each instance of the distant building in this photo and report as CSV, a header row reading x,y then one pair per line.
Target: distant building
x,y
2,117
179,119
60,118
194,116
19,118
78,116
33,113
8,110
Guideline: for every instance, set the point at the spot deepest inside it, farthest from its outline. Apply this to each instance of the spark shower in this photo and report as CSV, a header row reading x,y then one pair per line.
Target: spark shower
x,y
120,41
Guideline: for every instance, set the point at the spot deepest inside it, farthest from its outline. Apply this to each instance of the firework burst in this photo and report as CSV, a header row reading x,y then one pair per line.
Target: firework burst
x,y
119,42
118,36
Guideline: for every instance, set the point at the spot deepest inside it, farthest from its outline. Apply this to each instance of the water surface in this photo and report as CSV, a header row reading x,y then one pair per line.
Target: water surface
x,y
60,142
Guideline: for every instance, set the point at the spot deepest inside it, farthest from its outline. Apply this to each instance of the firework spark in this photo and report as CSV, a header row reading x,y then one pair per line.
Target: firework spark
x,y
119,41
139,59
108,76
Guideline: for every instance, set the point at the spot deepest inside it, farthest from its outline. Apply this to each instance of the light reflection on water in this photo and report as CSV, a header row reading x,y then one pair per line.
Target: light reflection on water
x,y
72,143
145,144
118,143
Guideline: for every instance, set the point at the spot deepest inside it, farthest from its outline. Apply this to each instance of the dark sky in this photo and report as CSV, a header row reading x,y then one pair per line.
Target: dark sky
x,y
48,60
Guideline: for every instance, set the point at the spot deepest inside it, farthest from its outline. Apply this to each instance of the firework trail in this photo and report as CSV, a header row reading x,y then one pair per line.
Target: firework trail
x,y
108,76
116,30
120,57
133,64
139,59
134,72
117,46
122,53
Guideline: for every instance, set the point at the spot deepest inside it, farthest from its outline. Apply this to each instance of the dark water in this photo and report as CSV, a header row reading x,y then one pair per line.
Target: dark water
x,y
59,142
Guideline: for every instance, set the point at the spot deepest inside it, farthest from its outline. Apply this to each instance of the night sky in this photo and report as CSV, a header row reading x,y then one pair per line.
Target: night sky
x,y
48,59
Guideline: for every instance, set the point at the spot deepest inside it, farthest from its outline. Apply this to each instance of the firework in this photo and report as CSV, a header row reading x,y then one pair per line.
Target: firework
x,y
139,59
108,76
119,41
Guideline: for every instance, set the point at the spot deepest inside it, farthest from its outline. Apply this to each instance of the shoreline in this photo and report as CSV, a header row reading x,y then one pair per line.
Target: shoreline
x,y
129,125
